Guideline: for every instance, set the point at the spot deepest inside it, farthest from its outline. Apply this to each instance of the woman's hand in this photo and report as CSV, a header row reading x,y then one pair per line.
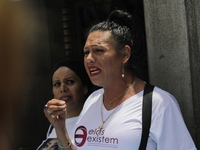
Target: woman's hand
x,y
56,112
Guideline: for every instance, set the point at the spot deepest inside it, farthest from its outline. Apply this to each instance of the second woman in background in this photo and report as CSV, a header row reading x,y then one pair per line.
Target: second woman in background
x,y
71,85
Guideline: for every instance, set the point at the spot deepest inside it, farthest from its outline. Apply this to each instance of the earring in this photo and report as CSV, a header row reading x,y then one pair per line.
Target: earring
x,y
123,73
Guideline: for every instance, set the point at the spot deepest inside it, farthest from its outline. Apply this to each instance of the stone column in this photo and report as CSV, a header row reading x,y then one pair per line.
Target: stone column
x,y
173,39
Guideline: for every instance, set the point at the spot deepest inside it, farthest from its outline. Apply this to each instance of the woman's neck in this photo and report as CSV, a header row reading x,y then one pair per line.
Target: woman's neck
x,y
117,94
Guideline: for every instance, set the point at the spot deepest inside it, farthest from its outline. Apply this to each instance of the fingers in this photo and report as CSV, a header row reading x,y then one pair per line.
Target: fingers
x,y
54,105
55,114
56,102
54,108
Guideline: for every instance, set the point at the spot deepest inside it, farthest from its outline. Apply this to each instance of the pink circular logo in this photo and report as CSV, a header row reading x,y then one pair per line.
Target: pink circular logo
x,y
80,136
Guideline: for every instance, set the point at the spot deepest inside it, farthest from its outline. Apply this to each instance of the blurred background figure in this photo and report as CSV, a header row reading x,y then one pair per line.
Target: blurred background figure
x,y
15,67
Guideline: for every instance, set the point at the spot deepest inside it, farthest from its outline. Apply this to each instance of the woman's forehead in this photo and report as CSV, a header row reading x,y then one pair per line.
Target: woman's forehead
x,y
64,71
99,38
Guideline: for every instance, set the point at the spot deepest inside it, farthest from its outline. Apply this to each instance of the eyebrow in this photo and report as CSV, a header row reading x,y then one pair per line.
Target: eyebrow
x,y
87,47
67,78
55,81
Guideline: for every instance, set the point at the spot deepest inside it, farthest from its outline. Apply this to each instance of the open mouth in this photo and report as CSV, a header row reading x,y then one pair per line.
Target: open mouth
x,y
65,98
94,71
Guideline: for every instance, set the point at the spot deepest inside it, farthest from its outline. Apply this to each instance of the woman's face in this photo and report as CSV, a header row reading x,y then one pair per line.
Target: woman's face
x,y
102,62
67,86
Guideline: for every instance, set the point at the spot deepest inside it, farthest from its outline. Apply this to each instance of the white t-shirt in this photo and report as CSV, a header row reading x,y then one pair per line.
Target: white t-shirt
x,y
122,130
70,122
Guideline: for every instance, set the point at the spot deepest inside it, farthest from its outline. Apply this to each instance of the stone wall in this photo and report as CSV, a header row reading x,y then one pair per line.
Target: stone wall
x,y
173,40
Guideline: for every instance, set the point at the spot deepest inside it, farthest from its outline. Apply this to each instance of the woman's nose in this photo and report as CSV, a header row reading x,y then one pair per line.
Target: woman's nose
x,y
90,58
63,89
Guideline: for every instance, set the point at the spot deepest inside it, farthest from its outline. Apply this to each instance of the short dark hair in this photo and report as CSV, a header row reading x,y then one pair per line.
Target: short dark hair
x,y
78,68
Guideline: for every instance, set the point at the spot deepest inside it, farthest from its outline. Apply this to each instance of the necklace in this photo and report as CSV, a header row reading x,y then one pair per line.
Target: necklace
x,y
103,121
111,102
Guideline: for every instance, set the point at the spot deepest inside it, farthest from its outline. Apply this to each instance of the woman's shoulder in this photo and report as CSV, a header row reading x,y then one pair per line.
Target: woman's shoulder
x,y
93,97
162,94
163,99
92,100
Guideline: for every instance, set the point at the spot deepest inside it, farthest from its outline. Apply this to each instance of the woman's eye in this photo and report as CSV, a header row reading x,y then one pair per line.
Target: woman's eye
x,y
86,52
99,50
56,84
70,81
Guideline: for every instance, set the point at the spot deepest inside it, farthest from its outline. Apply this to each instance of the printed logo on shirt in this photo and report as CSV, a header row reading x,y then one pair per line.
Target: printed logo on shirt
x,y
80,136
94,138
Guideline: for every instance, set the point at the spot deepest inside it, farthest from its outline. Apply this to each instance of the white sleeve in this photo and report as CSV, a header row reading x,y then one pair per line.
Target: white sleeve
x,y
169,131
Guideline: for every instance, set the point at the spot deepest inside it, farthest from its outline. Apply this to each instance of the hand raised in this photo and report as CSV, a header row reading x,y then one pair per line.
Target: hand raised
x,y
56,112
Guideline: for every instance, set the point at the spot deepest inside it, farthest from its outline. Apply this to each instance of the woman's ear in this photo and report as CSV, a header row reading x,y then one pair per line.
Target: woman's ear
x,y
126,53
